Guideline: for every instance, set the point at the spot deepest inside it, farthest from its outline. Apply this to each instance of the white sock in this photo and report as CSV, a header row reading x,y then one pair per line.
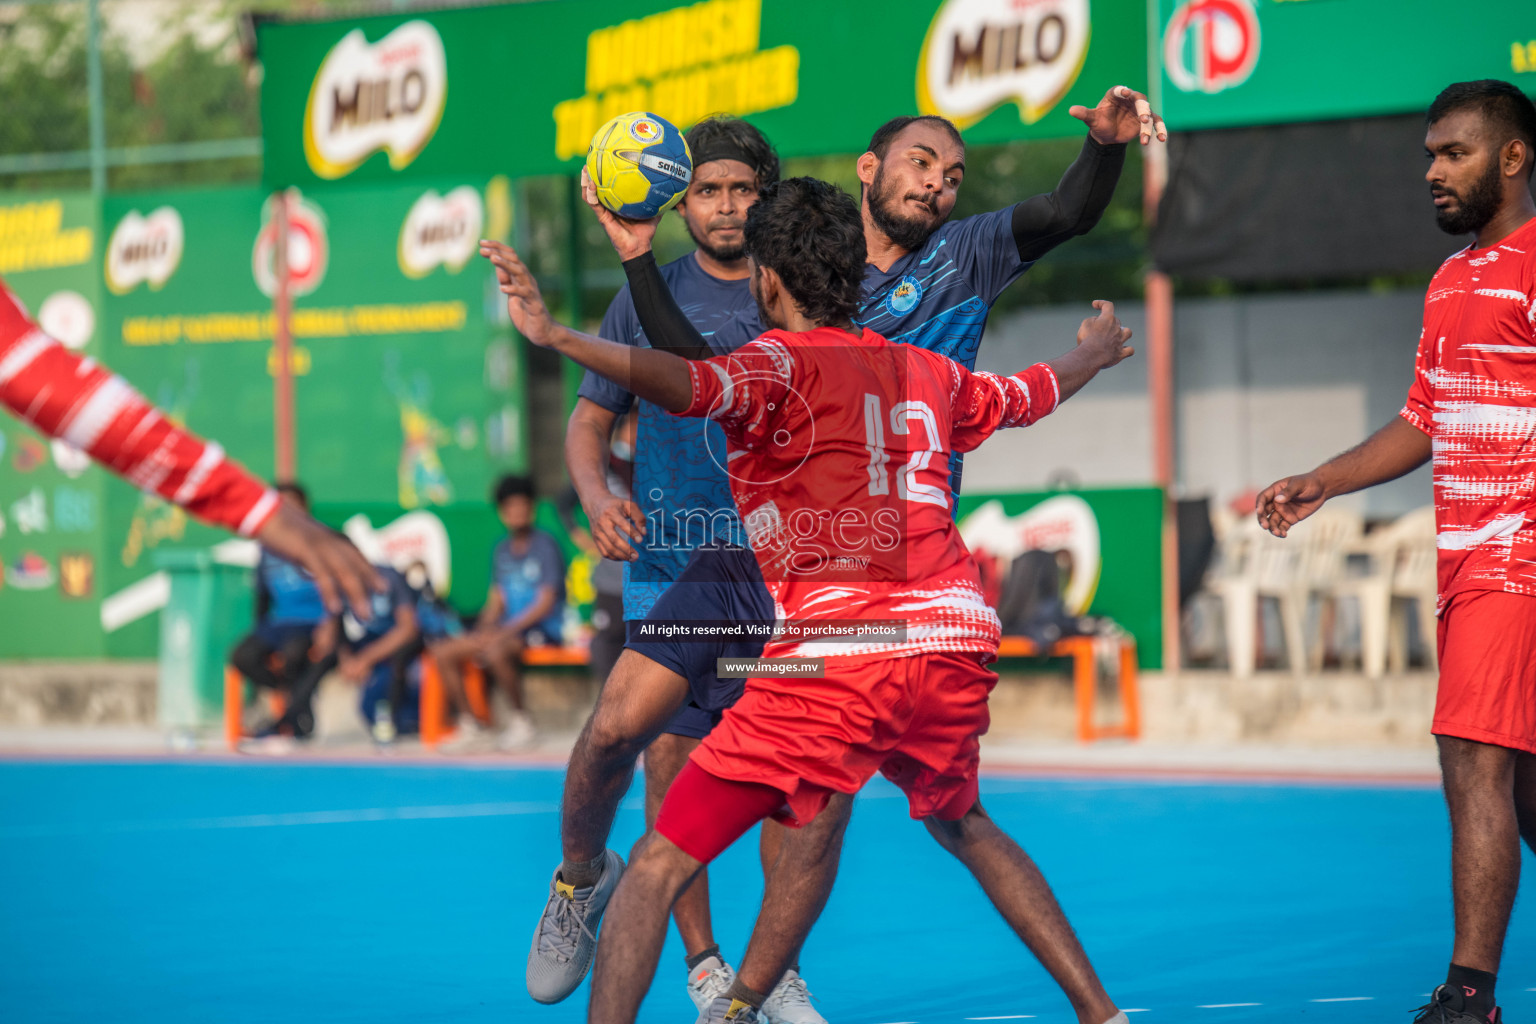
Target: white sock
x,y
1119,1018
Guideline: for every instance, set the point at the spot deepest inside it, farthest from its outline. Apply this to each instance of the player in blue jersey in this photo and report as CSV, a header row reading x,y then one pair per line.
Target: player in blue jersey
x,y
680,500
294,643
928,282
524,607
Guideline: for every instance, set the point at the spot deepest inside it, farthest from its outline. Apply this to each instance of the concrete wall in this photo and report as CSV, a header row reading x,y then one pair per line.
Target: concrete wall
x,y
1267,386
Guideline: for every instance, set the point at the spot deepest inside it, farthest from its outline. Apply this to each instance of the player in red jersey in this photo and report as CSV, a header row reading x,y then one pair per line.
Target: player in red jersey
x,y
65,395
838,451
1472,408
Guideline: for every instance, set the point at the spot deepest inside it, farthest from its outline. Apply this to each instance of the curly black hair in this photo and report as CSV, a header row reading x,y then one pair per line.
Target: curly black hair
x,y
512,486
722,137
810,233
1504,109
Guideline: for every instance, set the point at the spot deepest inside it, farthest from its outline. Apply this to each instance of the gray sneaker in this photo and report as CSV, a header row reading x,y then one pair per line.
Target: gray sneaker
x,y
725,1010
790,1002
708,981
567,933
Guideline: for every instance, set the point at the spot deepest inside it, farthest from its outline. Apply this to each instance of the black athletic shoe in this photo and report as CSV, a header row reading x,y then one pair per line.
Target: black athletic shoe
x,y
1447,1006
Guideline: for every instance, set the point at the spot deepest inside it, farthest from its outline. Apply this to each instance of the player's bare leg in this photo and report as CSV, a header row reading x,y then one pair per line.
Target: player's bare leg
x,y
664,758
1479,783
450,655
1525,797
503,660
636,703
795,891
1020,893
628,949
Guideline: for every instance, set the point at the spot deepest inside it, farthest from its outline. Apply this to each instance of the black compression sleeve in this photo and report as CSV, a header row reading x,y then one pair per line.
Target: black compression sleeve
x,y
663,321
1040,223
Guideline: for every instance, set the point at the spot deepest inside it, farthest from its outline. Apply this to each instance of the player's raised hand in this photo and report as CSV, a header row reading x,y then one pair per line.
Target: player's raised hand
x,y
630,238
1287,502
525,304
1122,115
1105,335
338,568
615,522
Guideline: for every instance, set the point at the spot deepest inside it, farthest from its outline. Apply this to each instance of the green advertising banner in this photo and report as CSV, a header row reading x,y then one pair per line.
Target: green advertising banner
x,y
1108,544
1227,63
51,496
520,89
409,384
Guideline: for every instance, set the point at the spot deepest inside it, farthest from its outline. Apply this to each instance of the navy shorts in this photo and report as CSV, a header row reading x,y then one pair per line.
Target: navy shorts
x,y
717,585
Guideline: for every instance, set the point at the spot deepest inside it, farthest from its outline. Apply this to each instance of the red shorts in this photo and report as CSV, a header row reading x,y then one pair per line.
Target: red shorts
x,y
918,720
1488,669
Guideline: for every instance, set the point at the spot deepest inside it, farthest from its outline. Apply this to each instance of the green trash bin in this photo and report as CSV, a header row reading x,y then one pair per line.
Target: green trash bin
x,y
209,610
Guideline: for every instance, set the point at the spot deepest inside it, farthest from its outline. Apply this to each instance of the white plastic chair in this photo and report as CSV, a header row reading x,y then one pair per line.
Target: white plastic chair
x,y
1254,565
1400,566
1415,578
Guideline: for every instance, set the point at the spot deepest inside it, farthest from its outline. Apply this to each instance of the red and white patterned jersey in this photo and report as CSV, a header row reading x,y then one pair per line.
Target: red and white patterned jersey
x,y
1474,394
838,456
68,396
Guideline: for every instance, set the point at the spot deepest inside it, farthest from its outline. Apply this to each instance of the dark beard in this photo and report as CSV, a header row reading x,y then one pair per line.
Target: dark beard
x,y
909,232
1475,209
717,253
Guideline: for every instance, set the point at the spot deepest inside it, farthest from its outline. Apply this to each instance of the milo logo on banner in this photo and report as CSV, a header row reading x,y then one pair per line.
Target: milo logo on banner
x,y
441,230
366,97
980,54
144,249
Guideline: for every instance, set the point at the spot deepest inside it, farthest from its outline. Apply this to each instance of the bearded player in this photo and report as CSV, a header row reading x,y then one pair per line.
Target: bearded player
x,y
65,395
838,445
685,492
930,282
1471,409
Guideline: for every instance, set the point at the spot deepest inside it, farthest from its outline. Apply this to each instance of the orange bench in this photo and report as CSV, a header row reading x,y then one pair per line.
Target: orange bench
x,y
1085,682
434,701
234,706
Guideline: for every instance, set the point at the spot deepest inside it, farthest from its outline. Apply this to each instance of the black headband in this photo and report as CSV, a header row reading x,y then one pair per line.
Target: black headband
x,y
725,149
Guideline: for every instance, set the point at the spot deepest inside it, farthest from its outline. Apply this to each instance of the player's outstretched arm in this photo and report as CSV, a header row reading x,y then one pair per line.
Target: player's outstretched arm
x,y
1395,449
656,376
1043,222
1101,343
66,396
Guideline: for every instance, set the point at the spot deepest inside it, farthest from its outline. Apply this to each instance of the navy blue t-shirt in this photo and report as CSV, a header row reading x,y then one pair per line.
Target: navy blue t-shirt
x,y
384,607
936,297
291,596
678,462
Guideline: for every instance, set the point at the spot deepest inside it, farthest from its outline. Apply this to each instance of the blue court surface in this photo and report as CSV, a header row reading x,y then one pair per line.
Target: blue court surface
x,y
207,891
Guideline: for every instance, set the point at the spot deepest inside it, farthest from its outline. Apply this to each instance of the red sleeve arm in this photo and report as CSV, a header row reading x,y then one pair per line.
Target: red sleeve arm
x,y
985,403
742,391
67,396
1419,409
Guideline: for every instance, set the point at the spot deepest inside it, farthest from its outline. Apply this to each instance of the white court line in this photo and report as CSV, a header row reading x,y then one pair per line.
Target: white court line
x,y
1006,1016
1343,999
343,817
1225,1006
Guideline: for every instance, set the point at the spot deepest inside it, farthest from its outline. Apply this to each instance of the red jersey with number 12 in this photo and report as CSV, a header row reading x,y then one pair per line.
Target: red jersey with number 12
x,y
838,456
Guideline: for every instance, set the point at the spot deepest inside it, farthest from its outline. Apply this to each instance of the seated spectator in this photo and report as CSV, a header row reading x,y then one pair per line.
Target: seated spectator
x,y
294,643
379,654
525,607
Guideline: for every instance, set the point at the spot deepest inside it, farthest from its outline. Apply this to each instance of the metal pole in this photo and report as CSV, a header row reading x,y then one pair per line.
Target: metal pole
x,y
98,116
1160,366
576,211
282,346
